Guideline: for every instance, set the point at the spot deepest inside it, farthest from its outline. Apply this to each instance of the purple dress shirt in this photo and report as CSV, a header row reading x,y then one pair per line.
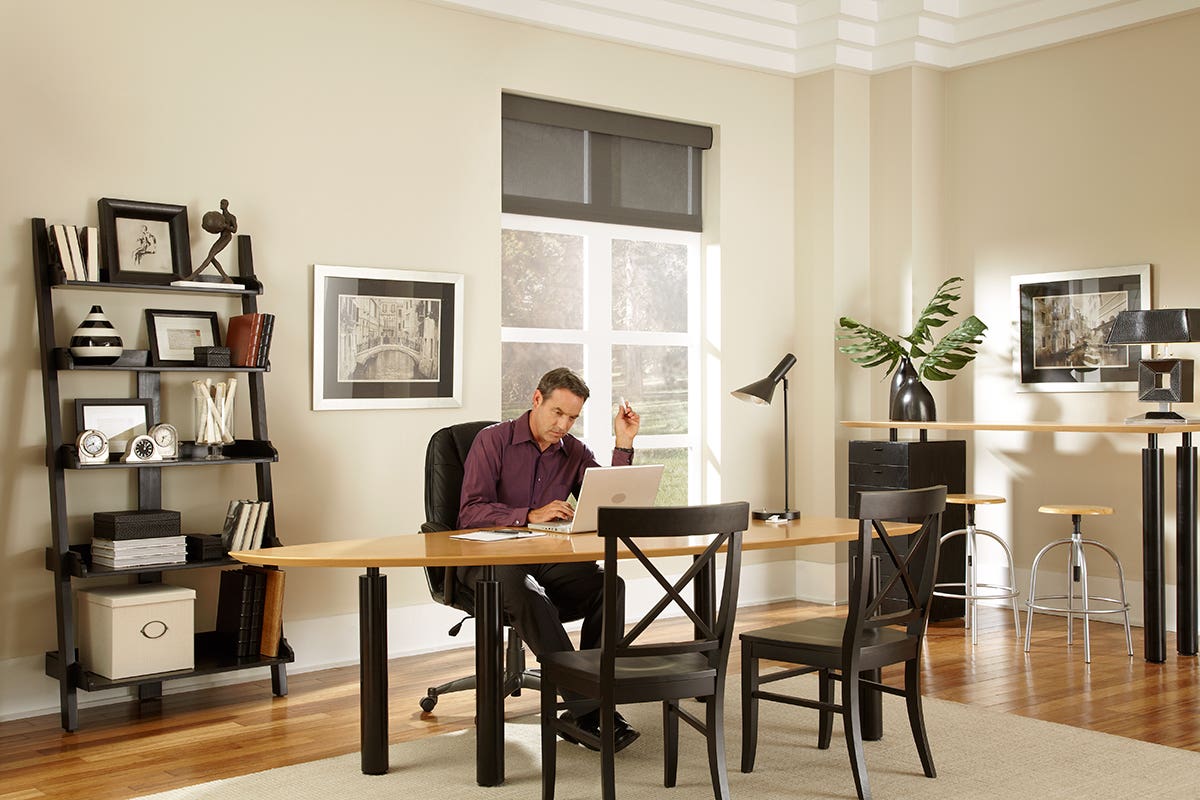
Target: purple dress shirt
x,y
506,475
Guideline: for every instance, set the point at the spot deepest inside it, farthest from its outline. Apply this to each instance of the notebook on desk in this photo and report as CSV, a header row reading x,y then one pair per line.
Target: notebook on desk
x,y
608,486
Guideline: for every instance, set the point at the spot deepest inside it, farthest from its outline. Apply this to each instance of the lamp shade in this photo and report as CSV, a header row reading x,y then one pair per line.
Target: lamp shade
x,y
1157,326
761,392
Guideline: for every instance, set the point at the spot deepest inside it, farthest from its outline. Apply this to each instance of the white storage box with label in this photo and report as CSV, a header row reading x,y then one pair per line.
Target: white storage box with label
x,y
136,629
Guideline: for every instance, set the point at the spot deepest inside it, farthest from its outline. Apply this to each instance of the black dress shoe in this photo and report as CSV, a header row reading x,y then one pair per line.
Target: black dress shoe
x,y
589,724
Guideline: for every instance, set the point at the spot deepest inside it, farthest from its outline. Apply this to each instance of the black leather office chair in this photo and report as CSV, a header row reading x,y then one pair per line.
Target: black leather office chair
x,y
623,671
444,459
867,639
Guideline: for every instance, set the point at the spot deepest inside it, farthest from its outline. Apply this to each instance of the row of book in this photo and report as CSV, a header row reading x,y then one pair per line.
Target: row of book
x,y
245,524
127,553
76,252
249,339
250,610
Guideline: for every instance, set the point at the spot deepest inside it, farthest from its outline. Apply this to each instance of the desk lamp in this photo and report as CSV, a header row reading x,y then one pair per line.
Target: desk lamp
x,y
1161,380
760,393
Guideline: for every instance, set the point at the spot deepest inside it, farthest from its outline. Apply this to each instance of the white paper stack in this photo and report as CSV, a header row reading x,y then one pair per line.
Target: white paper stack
x,y
122,553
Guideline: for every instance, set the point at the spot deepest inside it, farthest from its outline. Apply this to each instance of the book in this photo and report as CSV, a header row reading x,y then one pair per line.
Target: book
x,y
264,346
260,525
90,239
272,610
229,528
60,251
239,533
76,253
228,287
242,338
252,513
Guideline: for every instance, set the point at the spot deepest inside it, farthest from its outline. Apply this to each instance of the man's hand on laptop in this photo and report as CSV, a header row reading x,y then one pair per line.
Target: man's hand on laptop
x,y
552,511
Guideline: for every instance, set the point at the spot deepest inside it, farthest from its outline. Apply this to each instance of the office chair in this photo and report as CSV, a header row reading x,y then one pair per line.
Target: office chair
x,y
444,459
624,672
866,639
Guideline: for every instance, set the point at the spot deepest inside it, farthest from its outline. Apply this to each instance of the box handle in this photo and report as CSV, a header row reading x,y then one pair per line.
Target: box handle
x,y
154,629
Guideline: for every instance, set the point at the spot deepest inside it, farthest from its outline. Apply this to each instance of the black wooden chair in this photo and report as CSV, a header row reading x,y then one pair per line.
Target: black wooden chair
x,y
624,672
444,459
866,639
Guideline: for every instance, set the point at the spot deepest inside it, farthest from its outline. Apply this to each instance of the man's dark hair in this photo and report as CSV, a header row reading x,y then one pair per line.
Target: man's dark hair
x,y
563,378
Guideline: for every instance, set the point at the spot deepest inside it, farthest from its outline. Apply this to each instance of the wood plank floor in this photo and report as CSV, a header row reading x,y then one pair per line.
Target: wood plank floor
x,y
126,750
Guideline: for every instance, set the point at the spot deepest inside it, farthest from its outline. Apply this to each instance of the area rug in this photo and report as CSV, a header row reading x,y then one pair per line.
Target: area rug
x,y
978,754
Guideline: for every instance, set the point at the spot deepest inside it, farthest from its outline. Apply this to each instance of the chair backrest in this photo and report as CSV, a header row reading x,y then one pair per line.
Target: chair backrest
x,y
623,526
915,563
444,459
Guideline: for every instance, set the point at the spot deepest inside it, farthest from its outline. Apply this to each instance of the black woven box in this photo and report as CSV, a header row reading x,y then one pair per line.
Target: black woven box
x,y
147,523
204,547
211,356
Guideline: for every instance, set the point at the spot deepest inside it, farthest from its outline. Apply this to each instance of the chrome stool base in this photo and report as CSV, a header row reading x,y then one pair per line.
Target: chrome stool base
x,y
970,589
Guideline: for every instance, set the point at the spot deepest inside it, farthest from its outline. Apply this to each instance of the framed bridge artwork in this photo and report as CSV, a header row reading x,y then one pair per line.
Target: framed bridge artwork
x,y
386,338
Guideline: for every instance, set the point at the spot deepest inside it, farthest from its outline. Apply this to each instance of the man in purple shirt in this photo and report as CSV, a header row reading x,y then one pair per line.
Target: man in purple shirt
x,y
522,471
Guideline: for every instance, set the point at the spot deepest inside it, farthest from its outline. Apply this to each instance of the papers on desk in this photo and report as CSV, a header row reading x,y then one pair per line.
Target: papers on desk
x,y
497,536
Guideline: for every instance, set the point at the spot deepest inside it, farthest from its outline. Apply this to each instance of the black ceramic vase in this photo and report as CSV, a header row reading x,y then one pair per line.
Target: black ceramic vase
x,y
911,400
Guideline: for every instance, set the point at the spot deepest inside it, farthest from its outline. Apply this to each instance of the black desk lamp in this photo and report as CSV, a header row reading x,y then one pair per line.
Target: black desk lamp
x,y
760,393
1161,380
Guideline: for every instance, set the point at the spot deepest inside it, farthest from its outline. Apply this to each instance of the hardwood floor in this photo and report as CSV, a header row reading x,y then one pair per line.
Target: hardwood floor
x,y
123,750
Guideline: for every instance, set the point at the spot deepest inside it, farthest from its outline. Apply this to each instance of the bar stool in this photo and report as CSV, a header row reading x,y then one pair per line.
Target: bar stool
x,y
1077,569
970,588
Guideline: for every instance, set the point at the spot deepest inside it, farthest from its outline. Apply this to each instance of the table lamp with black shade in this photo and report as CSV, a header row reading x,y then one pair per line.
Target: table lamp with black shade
x,y
760,393
1161,380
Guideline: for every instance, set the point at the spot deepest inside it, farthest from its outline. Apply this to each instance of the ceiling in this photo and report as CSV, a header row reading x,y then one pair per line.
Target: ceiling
x,y
797,37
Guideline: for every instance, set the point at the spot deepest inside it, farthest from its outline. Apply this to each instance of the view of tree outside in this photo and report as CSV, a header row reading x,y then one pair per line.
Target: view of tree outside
x,y
614,303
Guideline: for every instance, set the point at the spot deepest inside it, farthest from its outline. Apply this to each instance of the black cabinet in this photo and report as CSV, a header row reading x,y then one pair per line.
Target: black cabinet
x,y
914,465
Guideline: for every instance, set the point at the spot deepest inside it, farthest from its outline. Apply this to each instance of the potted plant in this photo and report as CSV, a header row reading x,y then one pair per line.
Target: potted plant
x,y
916,355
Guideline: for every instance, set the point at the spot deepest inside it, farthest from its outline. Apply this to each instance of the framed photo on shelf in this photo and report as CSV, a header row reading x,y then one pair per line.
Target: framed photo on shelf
x,y
174,334
144,242
386,338
1061,322
118,418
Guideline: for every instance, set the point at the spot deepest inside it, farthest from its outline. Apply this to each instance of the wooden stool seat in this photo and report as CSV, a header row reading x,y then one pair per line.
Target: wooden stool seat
x,y
1072,510
973,499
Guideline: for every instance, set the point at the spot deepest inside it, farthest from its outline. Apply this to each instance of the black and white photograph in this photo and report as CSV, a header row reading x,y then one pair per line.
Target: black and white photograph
x,y
144,242
386,338
1062,322
174,335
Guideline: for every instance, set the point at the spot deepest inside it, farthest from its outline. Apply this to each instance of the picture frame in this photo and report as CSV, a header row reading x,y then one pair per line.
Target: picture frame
x,y
386,338
118,418
144,243
1061,321
174,334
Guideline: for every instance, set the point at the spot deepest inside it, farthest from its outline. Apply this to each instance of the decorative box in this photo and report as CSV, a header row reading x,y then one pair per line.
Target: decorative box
x,y
205,547
138,629
211,356
147,523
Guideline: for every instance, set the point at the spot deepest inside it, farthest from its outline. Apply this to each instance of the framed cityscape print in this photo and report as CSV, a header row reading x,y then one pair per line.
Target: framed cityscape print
x,y
386,338
1061,322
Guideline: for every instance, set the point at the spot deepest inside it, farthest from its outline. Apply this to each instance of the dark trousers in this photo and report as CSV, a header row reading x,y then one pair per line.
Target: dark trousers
x,y
539,598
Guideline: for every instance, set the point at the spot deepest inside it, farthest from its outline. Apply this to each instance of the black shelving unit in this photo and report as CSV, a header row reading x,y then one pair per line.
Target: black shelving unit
x,y
73,562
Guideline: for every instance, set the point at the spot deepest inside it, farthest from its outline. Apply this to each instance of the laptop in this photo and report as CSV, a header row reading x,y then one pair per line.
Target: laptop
x,y
607,486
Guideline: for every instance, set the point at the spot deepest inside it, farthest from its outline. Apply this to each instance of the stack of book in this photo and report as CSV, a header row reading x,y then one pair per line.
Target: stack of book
x,y
75,251
250,610
245,524
141,538
249,339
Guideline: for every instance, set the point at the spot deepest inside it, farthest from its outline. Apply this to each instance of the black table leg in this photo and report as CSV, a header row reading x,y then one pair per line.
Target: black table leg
x,y
1154,591
372,669
1185,548
489,688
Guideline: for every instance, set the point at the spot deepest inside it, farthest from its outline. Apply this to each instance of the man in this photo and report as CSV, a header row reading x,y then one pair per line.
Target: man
x,y
522,471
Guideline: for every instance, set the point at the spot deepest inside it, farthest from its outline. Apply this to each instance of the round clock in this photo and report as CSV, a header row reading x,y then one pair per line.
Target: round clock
x,y
167,439
92,447
141,448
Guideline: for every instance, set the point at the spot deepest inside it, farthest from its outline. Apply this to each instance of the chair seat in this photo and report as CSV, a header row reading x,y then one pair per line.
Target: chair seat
x,y
820,639
576,669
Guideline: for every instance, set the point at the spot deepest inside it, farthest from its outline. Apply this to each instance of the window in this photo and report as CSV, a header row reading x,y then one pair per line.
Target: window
x,y
618,304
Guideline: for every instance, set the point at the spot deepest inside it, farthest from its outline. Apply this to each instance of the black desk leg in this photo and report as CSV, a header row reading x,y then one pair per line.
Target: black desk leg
x,y
372,670
489,689
1154,592
1185,548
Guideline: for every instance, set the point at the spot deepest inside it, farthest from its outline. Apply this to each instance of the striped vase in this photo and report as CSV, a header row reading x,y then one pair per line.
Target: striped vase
x,y
96,341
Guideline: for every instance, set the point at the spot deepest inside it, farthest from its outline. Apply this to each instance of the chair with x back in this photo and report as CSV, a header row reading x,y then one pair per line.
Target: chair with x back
x,y
866,639
624,671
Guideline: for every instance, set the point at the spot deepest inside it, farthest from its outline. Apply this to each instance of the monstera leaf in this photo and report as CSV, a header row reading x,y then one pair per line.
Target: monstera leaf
x,y
869,347
954,351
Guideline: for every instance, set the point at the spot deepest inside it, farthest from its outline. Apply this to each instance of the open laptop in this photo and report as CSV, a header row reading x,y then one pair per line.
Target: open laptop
x,y
607,486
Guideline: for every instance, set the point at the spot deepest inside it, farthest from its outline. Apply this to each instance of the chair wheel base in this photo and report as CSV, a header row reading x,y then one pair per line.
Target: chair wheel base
x,y
428,702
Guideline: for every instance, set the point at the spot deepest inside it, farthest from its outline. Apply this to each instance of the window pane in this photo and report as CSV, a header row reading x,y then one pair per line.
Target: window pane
x,y
522,364
654,379
649,286
651,175
541,280
543,161
673,491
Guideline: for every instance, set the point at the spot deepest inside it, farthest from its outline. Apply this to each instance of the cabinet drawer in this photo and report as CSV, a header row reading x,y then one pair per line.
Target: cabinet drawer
x,y
868,452
883,476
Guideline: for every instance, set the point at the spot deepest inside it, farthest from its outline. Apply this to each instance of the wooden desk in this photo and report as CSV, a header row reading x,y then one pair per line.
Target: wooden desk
x,y
1153,577
439,550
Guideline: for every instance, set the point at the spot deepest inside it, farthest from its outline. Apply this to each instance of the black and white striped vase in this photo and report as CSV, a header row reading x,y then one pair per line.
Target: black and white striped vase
x,y
96,341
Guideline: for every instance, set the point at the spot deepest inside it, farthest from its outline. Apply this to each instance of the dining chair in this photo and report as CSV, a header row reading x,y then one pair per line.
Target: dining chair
x,y
841,649
625,670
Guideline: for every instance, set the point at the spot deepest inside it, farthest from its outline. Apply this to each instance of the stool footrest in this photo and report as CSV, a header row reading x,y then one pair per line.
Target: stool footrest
x,y
1002,592
1075,611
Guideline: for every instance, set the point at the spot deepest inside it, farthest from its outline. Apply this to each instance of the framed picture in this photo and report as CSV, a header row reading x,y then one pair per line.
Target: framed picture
x,y
1061,323
173,334
386,338
144,242
120,418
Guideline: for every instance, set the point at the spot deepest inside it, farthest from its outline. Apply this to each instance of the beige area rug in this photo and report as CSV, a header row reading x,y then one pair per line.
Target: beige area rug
x,y
978,754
